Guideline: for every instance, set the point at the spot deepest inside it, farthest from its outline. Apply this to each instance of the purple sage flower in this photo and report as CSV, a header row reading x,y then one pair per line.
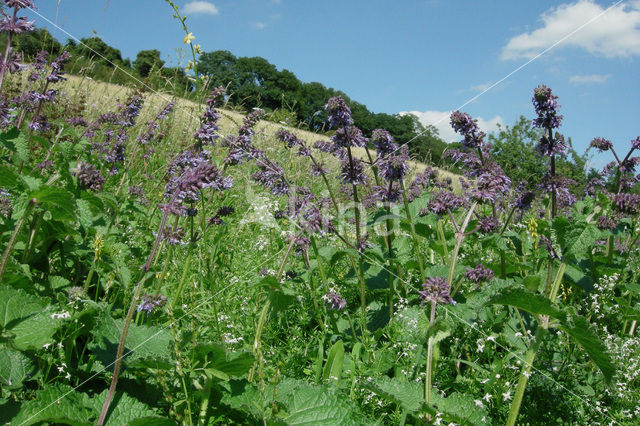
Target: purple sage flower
x,y
436,289
339,112
601,144
546,106
479,274
89,177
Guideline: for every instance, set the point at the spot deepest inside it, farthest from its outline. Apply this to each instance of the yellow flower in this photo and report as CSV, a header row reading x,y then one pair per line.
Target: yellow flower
x,y
198,49
188,38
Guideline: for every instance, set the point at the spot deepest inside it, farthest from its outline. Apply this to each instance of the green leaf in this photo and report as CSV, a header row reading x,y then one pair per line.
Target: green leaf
x,y
317,405
35,331
57,200
527,301
335,359
580,330
15,141
8,178
151,421
145,346
55,404
15,368
408,395
16,305
123,409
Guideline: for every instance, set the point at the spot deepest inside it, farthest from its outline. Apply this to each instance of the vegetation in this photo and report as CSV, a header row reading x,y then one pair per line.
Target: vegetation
x,y
165,262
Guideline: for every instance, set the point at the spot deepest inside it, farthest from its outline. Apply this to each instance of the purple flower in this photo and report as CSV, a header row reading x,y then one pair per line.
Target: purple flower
x,y
635,143
149,303
601,144
289,138
393,166
204,175
334,301
225,211
626,203
524,200
18,26
77,121
130,111
6,209
444,201
488,224
479,274
490,184
436,289
468,127
546,105
164,112
89,177
551,146
348,136
559,185
339,112
353,172
383,141
606,223
20,4
271,176
548,245
172,235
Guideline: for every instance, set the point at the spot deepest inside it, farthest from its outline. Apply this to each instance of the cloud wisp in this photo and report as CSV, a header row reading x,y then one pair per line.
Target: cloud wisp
x,y
615,33
200,8
589,79
440,120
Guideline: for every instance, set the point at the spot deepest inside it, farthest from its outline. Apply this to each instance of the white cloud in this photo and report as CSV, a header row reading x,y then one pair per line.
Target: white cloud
x,y
591,78
440,120
200,7
260,25
481,87
616,33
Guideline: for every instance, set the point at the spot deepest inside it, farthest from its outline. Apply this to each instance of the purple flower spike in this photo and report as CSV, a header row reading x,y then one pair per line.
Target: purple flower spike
x,y
436,289
635,144
546,105
479,274
601,144
334,301
339,112
149,303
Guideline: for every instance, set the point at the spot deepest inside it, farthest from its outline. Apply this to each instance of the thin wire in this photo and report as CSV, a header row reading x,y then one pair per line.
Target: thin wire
x,y
523,65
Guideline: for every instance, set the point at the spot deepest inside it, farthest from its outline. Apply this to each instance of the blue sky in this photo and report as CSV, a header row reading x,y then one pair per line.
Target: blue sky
x,y
428,57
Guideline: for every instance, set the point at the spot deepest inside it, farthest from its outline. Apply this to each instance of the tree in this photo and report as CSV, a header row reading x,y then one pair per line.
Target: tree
x,y
146,60
95,48
514,149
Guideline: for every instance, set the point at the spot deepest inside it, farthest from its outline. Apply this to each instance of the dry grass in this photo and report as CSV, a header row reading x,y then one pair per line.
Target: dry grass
x,y
101,97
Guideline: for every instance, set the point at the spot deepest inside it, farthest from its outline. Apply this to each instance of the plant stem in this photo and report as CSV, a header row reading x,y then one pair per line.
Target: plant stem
x,y
183,279
14,236
524,377
427,382
121,343
414,238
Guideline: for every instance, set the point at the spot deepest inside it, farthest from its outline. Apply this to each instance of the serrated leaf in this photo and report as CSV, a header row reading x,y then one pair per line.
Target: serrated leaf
x,y
55,404
527,301
57,200
57,282
123,409
580,330
35,331
320,406
145,346
8,178
16,305
335,359
409,395
15,368
85,217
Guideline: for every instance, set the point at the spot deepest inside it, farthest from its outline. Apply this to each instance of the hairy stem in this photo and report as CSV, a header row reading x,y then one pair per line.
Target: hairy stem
x,y
14,236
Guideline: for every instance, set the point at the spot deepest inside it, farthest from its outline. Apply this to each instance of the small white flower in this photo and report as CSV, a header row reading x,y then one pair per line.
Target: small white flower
x,y
46,345
487,397
507,395
491,338
478,403
527,374
484,381
497,376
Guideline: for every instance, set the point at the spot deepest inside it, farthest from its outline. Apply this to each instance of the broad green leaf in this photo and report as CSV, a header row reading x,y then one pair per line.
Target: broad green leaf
x,y
335,359
8,178
317,405
36,331
16,305
123,409
15,368
151,421
145,346
408,394
59,404
580,330
531,302
57,200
